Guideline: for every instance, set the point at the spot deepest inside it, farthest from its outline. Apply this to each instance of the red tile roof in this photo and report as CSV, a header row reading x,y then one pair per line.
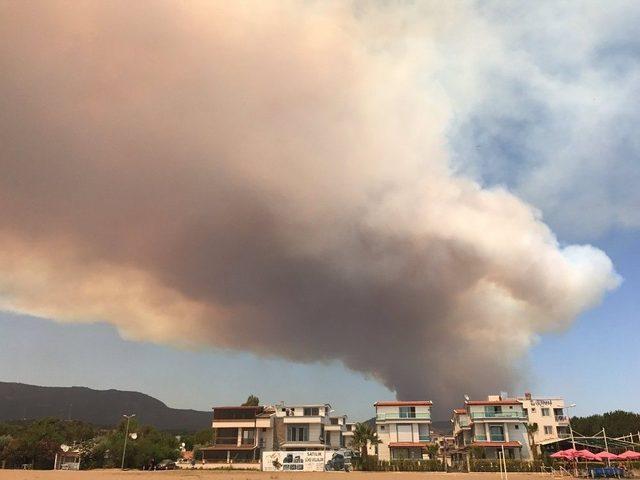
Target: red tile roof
x,y
408,444
497,444
402,403
461,411
507,401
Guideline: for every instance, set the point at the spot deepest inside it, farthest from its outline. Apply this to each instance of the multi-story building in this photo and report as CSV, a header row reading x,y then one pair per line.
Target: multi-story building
x,y
492,425
334,432
347,435
240,434
549,415
403,429
304,427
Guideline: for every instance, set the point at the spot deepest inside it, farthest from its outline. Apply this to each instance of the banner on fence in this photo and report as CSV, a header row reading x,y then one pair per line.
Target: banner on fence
x,y
300,461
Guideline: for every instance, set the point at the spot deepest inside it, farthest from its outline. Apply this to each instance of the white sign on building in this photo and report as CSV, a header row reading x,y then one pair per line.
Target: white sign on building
x,y
302,461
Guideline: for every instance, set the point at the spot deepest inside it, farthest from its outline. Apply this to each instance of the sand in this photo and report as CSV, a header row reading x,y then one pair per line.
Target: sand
x,y
249,475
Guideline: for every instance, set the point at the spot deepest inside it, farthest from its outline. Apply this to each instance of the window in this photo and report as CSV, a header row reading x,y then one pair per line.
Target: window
x,y
497,433
327,438
548,430
407,412
517,426
533,410
525,412
311,411
297,434
545,412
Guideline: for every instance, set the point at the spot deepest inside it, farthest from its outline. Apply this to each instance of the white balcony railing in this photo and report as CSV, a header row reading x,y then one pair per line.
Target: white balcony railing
x,y
403,416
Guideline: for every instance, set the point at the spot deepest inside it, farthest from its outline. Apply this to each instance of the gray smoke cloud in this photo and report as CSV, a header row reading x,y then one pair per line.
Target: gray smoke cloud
x,y
270,177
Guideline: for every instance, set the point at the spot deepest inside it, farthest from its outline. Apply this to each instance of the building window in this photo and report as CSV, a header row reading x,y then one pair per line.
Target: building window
x,y
311,411
407,412
548,430
545,412
517,426
297,434
497,433
525,412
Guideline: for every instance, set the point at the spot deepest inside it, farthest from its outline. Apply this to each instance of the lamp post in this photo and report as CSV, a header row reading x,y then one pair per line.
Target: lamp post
x,y
573,440
126,435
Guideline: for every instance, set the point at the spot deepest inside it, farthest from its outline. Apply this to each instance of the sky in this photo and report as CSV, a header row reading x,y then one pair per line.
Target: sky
x,y
409,200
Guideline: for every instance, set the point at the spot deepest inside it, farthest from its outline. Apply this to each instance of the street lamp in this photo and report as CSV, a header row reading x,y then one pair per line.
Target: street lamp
x,y
573,440
126,435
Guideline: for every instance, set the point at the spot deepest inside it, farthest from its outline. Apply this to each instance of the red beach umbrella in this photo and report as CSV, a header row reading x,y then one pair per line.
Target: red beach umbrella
x,y
602,456
629,455
586,455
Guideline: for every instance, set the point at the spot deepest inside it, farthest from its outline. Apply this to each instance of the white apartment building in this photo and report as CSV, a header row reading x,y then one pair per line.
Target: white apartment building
x,y
403,428
549,414
347,435
306,427
492,424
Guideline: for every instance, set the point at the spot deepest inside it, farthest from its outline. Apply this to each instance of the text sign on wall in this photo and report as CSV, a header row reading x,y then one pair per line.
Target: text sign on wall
x,y
299,461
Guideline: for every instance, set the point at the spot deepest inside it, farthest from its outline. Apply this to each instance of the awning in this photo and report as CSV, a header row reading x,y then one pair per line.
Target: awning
x,y
229,447
497,444
408,445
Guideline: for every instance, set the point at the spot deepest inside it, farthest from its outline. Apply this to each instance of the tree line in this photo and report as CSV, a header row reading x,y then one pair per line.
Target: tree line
x,y
616,424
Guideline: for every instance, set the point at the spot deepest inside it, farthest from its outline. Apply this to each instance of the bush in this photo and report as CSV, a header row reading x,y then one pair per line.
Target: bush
x,y
372,464
493,465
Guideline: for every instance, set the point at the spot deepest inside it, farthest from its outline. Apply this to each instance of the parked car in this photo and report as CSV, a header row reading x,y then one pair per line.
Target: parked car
x,y
166,464
338,462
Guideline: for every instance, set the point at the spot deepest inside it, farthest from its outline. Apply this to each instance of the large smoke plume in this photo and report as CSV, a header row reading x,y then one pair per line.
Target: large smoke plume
x,y
269,177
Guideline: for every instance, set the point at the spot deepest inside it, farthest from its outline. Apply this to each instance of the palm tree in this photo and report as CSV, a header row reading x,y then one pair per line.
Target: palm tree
x,y
532,428
363,435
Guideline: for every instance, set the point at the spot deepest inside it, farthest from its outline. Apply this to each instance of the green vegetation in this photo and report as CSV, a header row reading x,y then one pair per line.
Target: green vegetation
x,y
252,401
36,443
616,424
364,435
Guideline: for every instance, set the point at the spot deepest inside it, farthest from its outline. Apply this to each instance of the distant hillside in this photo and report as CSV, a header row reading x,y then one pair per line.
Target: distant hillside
x,y
99,407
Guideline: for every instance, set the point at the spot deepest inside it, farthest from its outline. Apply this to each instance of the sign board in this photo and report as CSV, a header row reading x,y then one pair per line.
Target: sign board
x,y
298,461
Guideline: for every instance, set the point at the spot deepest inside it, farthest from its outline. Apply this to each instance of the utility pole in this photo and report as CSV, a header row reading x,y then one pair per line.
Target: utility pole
x,y
126,435
573,440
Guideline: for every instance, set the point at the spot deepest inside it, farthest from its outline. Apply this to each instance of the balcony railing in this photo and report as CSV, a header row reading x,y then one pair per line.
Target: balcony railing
x,y
425,438
233,441
403,416
516,414
562,419
464,422
492,438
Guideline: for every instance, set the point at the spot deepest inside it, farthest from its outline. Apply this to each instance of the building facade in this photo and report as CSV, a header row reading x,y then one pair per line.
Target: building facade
x,y
305,427
490,426
241,433
549,415
403,427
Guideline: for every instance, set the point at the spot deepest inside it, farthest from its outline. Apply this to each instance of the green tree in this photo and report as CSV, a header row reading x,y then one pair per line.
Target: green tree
x,y
363,436
252,401
532,428
433,450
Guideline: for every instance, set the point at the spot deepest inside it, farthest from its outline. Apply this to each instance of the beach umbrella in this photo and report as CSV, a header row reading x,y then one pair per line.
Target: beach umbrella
x,y
586,455
602,456
559,454
629,455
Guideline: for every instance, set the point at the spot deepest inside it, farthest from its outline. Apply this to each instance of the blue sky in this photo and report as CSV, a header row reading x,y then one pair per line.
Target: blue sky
x,y
249,233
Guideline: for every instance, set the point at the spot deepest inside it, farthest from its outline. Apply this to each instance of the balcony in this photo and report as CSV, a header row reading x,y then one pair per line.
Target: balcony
x,y
562,419
479,438
464,422
383,417
492,438
233,441
425,438
506,415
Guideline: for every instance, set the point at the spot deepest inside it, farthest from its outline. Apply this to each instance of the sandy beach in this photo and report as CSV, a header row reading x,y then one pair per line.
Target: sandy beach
x,y
248,475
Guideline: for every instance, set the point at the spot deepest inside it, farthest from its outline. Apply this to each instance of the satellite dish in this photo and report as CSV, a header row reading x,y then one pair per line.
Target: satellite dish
x,y
466,397
133,435
64,448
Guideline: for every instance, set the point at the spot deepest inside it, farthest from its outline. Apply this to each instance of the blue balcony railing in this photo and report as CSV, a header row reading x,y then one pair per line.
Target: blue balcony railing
x,y
516,414
403,416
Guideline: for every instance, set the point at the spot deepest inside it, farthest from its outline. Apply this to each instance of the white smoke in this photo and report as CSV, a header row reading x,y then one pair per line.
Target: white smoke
x,y
272,177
